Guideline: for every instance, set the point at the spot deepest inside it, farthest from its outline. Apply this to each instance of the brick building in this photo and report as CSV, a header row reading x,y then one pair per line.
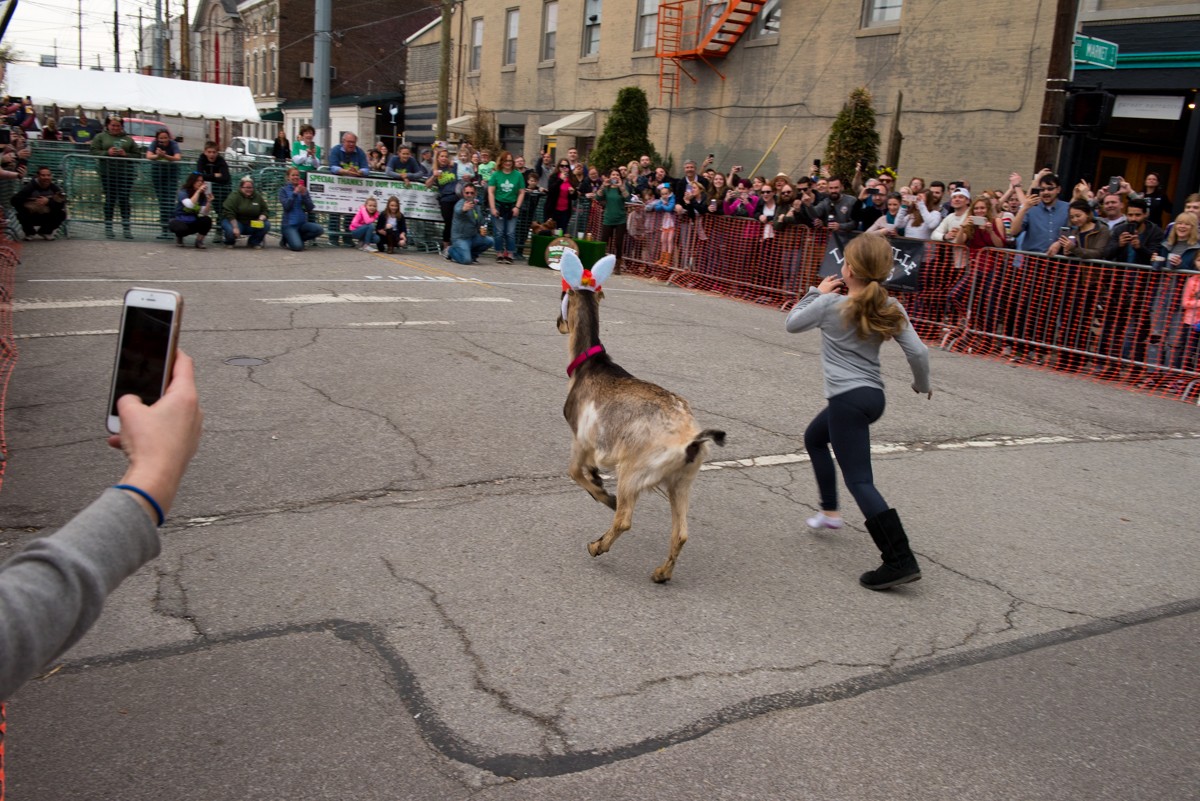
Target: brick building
x,y
973,78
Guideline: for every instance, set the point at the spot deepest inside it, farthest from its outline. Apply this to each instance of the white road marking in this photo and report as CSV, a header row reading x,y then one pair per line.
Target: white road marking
x,y
400,322
310,300
772,460
111,332
37,305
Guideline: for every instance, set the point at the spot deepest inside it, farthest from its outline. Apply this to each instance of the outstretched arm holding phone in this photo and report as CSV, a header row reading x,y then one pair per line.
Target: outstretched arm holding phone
x,y
52,591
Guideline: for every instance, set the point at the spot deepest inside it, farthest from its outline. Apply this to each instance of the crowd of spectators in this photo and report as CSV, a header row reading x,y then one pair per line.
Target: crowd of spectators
x,y
493,203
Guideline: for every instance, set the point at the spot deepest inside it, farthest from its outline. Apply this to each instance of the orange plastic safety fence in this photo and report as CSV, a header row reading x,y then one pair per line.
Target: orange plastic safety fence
x,y
1101,320
1104,321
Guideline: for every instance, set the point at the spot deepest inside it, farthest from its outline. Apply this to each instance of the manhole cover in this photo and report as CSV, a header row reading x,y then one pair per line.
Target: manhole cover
x,y
245,361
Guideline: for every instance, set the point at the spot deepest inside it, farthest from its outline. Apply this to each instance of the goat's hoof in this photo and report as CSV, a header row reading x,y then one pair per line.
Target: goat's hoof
x,y
594,548
610,501
660,576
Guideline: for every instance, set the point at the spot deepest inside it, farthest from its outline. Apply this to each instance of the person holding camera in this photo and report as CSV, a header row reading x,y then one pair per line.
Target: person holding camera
x,y
869,206
164,155
468,238
117,149
193,211
614,221
296,226
836,211
306,154
53,589
41,206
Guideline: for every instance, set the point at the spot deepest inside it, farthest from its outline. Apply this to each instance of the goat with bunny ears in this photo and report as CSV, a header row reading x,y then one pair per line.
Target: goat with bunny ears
x,y
640,431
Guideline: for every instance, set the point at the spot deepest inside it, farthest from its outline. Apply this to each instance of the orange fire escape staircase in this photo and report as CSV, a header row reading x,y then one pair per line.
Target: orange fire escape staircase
x,y
682,38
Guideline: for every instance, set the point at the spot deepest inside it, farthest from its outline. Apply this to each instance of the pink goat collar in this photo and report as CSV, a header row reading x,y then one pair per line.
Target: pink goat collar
x,y
583,357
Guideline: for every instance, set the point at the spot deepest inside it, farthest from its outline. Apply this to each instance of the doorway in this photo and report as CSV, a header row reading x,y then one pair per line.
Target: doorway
x,y
1133,166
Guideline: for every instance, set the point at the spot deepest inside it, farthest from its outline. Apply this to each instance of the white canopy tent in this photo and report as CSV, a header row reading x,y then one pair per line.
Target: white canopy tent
x,y
93,89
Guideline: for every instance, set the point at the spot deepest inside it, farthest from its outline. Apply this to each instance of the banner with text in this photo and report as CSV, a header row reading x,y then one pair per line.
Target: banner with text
x,y
908,255
341,194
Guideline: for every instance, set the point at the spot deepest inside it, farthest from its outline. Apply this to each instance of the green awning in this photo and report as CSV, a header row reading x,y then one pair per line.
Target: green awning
x,y
273,115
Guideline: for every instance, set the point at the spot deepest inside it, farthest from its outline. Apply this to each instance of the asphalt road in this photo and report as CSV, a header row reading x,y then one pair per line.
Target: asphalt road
x,y
375,585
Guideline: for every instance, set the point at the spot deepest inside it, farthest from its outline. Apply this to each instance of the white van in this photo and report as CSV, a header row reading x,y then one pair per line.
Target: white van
x,y
246,149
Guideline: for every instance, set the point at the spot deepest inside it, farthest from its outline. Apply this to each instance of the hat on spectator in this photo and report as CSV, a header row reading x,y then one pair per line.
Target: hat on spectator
x,y
961,193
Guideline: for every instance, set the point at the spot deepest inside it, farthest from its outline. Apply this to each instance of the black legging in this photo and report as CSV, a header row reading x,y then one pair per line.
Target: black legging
x,y
447,217
846,424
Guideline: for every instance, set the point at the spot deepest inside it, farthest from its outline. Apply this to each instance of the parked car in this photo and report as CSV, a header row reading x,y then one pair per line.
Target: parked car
x,y
245,148
143,131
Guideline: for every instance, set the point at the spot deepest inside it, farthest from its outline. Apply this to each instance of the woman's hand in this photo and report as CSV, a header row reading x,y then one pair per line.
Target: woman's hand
x,y
161,439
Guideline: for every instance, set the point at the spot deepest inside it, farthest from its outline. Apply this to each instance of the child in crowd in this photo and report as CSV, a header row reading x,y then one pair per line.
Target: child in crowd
x,y
391,227
363,225
665,204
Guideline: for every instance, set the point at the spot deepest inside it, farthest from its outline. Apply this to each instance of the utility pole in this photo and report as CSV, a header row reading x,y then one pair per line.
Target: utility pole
x,y
1058,75
321,59
185,44
156,68
116,39
80,31
141,40
444,71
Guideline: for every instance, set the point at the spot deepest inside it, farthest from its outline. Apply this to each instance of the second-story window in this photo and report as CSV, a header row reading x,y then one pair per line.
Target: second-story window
x,y
512,21
647,25
549,29
476,44
881,12
591,27
767,23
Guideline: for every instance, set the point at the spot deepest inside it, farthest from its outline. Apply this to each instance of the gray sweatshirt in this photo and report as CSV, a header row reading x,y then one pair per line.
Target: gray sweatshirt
x,y
850,362
52,591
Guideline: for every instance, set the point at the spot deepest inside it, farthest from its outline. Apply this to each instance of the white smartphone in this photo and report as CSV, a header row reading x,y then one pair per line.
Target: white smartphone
x,y
978,221
146,347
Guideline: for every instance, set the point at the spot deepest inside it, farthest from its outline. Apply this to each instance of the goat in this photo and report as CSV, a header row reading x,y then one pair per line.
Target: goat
x,y
641,431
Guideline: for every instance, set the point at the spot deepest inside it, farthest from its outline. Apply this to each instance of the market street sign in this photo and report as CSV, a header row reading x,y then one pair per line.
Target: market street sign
x,y
1095,52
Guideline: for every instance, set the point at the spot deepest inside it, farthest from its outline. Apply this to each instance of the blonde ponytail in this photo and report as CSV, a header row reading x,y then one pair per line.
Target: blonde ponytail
x,y
871,310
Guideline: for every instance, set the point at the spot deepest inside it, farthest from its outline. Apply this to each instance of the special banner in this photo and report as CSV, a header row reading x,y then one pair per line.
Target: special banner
x,y
342,194
908,255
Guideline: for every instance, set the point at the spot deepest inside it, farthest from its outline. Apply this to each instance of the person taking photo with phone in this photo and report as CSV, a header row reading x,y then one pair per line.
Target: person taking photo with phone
x,y
53,589
193,209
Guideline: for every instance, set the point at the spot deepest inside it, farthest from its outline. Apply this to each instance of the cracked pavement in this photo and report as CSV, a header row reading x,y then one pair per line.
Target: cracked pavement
x,y
379,526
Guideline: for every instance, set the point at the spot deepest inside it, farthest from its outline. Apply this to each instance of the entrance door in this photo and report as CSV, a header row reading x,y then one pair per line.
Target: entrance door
x,y
1133,166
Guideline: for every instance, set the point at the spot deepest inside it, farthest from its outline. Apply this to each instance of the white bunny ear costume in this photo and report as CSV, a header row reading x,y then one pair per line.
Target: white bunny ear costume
x,y
579,279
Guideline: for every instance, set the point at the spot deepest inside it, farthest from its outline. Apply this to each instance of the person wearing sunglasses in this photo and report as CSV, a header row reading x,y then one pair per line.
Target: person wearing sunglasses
x,y
561,194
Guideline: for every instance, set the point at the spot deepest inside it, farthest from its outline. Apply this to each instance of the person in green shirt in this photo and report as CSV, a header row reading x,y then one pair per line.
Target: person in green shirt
x,y
117,170
611,196
245,212
506,193
306,154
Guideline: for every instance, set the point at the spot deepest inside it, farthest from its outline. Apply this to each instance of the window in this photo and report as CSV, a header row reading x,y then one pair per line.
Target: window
x,y
512,21
767,23
476,43
549,29
263,87
713,9
512,138
273,86
591,27
647,25
881,12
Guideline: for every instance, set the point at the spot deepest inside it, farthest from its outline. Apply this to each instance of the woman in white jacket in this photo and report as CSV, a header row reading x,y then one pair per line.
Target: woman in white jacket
x,y
919,215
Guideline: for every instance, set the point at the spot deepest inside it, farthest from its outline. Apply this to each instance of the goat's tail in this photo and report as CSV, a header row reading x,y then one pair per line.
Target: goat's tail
x,y
693,448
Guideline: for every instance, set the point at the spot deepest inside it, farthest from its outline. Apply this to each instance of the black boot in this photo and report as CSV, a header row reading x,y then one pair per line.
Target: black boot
x,y
899,565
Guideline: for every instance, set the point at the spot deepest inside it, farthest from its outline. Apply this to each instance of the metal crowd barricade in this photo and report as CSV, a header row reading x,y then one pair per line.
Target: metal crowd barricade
x,y
1098,319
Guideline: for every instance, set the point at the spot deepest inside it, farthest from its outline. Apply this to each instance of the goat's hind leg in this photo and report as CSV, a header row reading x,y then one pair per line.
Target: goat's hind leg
x,y
627,495
679,493
586,475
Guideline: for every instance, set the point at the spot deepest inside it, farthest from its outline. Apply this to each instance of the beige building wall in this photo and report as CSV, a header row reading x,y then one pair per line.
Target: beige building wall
x,y
973,79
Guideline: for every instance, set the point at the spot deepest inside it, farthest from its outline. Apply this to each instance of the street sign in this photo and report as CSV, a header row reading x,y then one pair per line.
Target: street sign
x,y
1095,52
